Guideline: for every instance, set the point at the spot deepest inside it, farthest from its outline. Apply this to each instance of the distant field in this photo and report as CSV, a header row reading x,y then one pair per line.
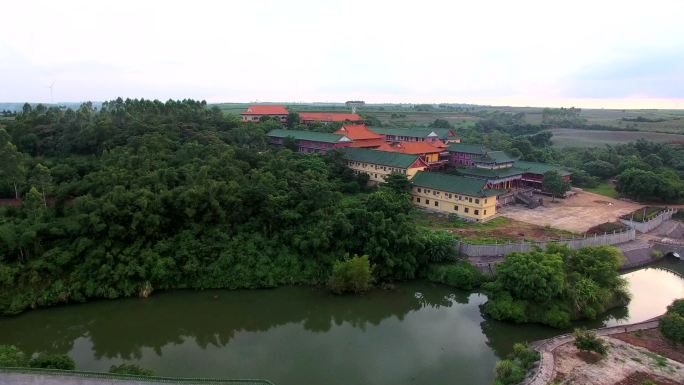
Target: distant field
x,y
419,118
570,137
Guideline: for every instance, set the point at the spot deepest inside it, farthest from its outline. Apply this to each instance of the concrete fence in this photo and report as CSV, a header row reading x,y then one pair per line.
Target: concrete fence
x,y
503,249
646,226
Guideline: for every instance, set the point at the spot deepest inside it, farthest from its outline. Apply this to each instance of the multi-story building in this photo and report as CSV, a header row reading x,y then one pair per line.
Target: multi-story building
x,y
466,197
361,135
255,112
417,134
309,141
379,164
430,152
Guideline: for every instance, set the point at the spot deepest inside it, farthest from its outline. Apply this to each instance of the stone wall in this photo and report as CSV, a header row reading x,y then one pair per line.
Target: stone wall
x,y
644,227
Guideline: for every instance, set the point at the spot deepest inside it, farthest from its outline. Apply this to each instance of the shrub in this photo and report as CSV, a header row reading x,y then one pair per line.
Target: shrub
x,y
53,361
588,341
656,254
460,274
351,275
509,372
11,356
672,327
130,369
676,307
438,246
524,355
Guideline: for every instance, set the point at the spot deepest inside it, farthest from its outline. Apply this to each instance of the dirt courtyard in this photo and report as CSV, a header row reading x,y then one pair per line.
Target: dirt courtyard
x,y
577,214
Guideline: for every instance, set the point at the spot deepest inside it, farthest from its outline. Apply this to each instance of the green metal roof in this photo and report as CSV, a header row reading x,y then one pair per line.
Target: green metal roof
x,y
497,157
493,173
384,158
467,148
309,135
410,132
452,183
540,168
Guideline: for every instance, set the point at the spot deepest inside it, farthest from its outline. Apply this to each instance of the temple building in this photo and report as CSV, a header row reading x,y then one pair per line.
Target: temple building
x,y
308,141
379,164
467,198
254,113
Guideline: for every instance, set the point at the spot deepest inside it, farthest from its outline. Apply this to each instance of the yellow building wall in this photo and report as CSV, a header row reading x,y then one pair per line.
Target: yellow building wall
x,y
431,158
448,202
378,173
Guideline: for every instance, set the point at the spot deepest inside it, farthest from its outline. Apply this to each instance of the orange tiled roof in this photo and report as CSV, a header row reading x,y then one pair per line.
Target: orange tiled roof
x,y
265,109
368,143
329,116
358,132
411,148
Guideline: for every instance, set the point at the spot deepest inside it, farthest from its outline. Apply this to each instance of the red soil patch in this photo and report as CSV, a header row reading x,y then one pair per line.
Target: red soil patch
x,y
638,378
654,341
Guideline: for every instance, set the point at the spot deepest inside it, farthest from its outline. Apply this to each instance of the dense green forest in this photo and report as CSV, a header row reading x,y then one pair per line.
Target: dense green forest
x,y
144,195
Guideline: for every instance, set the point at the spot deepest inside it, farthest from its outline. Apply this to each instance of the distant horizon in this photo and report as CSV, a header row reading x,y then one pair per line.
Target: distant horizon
x,y
679,105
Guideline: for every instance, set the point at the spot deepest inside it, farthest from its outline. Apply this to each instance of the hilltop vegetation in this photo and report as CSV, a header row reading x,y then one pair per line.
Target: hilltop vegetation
x,y
143,195
556,286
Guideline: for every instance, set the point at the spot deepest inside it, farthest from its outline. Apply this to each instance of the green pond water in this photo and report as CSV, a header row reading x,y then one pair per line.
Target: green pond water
x,y
420,333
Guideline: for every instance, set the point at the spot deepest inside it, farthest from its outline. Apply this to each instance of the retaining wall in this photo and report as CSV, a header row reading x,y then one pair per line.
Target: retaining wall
x,y
503,249
644,227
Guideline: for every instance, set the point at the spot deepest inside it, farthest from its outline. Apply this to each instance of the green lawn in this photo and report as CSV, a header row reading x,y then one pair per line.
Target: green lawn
x,y
605,189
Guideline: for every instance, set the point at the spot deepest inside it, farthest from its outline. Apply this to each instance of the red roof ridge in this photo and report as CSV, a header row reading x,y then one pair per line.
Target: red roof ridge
x,y
265,109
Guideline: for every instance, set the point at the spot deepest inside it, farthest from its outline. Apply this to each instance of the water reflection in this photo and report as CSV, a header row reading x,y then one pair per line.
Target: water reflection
x,y
417,333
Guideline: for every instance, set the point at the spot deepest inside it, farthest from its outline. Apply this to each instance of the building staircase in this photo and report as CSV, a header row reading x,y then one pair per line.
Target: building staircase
x,y
527,198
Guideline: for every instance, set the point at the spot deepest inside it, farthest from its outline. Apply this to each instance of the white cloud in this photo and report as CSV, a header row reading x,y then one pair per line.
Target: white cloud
x,y
514,52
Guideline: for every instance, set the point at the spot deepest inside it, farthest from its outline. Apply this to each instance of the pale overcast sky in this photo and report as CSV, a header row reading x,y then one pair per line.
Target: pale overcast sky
x,y
582,53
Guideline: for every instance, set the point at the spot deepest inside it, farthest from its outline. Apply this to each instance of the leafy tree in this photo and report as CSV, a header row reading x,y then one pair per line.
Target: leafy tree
x,y
12,169
292,119
441,123
53,361
672,323
554,183
130,369
351,275
588,341
672,327
43,179
398,182
11,356
460,274
535,276
508,373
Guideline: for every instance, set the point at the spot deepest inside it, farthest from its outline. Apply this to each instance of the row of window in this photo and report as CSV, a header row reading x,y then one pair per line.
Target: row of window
x,y
376,167
450,196
456,207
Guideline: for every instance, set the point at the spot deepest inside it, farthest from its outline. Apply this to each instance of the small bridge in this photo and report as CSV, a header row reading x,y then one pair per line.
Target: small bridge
x,y
667,246
35,376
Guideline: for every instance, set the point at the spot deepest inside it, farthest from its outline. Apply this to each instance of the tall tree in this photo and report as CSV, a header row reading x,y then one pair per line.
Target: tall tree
x,y
43,179
554,183
11,160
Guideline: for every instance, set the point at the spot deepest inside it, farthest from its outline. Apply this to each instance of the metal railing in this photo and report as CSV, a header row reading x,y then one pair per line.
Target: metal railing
x,y
132,377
